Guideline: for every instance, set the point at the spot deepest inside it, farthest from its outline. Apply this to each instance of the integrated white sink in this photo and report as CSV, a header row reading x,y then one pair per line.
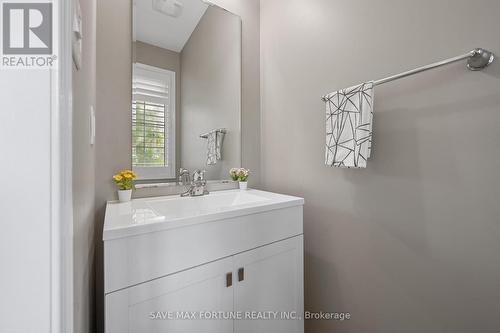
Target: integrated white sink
x,y
153,214
172,208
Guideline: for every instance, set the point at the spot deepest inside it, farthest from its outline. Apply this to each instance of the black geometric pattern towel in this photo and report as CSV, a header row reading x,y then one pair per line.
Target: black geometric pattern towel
x,y
349,115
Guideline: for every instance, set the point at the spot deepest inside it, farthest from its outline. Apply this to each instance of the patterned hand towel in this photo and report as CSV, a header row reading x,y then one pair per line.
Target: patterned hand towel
x,y
218,143
349,114
214,147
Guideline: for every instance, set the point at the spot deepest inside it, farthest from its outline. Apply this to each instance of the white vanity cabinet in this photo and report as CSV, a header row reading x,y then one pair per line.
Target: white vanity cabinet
x,y
233,265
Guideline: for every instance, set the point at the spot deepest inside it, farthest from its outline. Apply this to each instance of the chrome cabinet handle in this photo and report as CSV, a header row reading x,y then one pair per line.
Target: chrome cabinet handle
x,y
229,279
241,274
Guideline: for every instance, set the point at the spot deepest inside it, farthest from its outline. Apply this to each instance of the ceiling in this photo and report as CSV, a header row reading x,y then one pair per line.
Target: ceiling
x,y
168,32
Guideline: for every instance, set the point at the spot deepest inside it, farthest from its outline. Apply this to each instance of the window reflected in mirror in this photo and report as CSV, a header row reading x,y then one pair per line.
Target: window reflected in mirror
x,y
153,116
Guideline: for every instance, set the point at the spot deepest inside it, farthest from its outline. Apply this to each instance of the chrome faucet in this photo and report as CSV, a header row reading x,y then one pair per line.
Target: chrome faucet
x,y
197,185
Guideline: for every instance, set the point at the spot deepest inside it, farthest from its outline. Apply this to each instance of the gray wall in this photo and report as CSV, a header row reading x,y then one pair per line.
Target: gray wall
x,y
211,91
167,59
113,117
113,99
410,244
156,56
84,90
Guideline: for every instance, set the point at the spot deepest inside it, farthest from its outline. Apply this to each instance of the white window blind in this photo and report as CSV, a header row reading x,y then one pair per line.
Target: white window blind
x,y
153,119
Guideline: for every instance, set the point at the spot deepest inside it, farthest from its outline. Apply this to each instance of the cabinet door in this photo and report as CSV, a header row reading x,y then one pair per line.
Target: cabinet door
x,y
271,281
147,308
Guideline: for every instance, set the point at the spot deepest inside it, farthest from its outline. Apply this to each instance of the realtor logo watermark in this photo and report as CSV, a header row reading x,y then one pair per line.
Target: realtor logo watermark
x,y
27,35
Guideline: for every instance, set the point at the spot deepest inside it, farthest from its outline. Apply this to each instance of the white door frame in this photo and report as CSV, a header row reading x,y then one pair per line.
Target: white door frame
x,y
61,173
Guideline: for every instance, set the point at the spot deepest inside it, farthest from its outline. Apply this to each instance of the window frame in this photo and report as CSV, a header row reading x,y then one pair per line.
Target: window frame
x,y
168,171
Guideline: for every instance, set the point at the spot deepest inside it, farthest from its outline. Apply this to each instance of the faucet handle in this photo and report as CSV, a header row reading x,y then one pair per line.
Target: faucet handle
x,y
197,175
184,176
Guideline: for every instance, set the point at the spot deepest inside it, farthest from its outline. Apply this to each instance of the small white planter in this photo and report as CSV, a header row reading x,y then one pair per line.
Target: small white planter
x,y
124,195
243,185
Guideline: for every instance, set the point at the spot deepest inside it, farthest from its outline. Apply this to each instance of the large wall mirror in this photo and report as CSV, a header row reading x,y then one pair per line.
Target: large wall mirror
x,y
186,89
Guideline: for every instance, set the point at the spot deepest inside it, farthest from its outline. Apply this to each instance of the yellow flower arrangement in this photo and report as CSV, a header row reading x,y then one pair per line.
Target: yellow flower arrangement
x,y
124,179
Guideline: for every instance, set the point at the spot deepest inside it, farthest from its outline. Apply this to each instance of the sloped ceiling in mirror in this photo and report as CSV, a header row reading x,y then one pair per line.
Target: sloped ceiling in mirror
x,y
170,23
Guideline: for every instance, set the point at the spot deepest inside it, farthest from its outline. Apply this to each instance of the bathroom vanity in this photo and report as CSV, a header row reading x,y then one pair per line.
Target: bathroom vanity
x,y
230,261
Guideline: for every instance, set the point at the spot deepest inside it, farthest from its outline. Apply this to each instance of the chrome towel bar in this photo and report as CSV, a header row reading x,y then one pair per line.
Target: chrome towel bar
x,y
477,59
219,130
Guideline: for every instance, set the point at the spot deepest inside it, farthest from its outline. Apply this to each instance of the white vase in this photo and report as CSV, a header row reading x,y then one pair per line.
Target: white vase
x,y
243,185
124,195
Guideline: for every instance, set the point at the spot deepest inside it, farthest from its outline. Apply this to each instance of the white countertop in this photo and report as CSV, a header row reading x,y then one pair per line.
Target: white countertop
x,y
147,215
